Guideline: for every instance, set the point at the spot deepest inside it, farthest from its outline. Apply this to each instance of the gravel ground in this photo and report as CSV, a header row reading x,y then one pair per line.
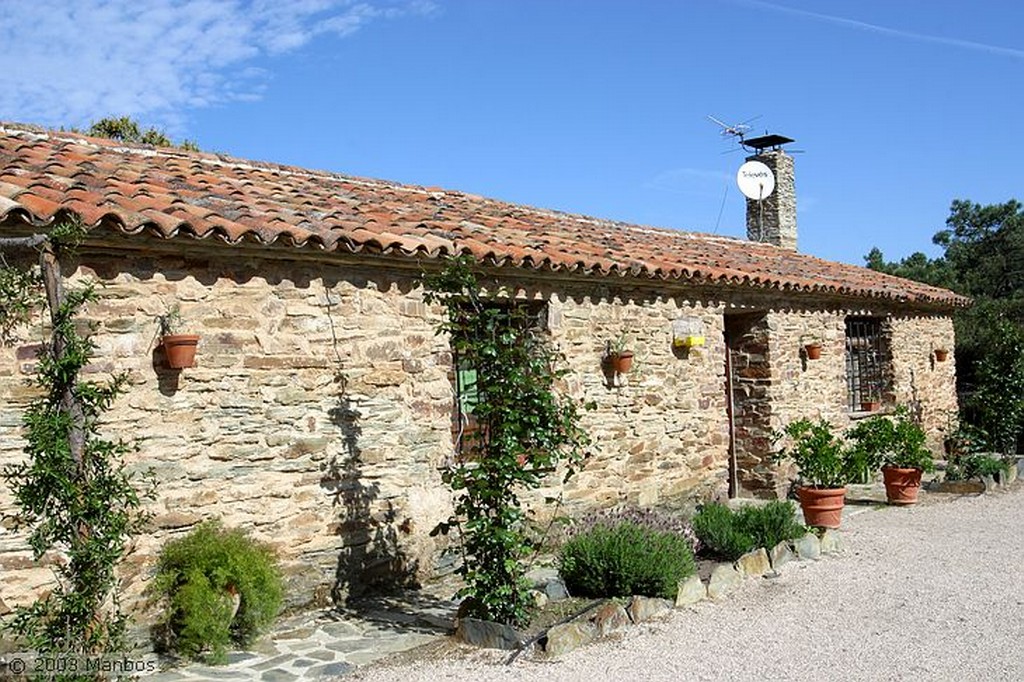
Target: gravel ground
x,y
932,592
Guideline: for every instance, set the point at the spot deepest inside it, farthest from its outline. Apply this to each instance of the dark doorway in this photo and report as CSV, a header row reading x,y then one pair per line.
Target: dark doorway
x,y
748,385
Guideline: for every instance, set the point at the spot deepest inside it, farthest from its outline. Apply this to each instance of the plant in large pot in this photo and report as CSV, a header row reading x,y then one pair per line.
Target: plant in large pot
x,y
825,467
218,588
897,445
179,349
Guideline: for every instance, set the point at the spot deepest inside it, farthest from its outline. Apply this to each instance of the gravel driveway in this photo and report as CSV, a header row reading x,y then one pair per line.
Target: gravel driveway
x,y
933,592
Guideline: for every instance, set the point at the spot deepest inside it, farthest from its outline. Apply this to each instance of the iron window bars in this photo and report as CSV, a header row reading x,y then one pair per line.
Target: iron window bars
x,y
867,361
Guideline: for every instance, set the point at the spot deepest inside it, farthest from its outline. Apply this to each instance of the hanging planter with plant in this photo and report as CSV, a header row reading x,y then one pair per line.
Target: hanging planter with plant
x,y
619,359
622,362
812,346
179,349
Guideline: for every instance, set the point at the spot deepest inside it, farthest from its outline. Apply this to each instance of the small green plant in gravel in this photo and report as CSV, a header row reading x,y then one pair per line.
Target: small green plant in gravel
x,y
625,559
771,523
220,587
731,534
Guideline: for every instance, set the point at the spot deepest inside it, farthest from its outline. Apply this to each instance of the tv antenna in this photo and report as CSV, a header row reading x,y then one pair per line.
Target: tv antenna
x,y
735,130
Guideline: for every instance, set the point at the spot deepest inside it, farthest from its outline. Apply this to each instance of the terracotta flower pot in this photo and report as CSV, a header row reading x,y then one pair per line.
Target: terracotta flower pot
x,y
822,507
870,405
901,485
622,362
941,355
813,351
180,350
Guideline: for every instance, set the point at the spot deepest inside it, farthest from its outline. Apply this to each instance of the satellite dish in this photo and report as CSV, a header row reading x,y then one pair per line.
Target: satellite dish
x,y
756,180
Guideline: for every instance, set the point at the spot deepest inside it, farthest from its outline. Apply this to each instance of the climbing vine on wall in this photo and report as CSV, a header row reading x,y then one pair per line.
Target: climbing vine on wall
x,y
524,430
71,489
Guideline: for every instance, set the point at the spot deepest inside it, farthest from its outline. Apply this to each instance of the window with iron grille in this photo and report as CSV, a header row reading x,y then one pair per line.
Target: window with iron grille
x,y
867,362
466,430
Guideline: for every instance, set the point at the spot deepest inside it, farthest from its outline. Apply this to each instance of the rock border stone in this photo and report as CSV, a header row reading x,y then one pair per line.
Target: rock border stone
x,y
726,578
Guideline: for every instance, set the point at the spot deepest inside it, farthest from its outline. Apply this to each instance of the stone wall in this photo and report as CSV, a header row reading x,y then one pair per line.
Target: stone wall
x,y
920,379
320,410
748,340
317,416
659,432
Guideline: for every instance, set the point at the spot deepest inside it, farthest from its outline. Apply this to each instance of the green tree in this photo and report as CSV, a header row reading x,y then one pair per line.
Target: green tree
x,y
71,489
983,257
525,430
127,129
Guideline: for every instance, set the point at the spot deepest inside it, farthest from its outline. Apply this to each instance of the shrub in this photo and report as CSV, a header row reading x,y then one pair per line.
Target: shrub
x,y
823,458
966,459
732,534
625,559
975,466
716,526
652,519
771,524
199,575
900,442
526,428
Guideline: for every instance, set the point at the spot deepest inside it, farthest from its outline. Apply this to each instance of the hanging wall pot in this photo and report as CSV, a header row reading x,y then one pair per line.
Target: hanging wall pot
x,y
180,350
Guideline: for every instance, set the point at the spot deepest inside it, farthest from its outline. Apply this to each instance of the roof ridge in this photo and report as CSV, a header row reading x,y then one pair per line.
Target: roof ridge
x,y
229,161
172,193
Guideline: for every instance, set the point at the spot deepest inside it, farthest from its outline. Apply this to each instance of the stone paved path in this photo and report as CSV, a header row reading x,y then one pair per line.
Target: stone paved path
x,y
327,644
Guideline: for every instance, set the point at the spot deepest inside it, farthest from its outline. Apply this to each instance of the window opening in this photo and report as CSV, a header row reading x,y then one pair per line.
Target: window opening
x,y
866,361
466,380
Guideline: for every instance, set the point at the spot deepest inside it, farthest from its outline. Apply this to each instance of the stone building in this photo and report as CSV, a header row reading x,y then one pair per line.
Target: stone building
x,y
321,405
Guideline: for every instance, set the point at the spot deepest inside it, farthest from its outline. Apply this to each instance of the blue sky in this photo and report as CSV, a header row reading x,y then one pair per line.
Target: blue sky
x,y
589,106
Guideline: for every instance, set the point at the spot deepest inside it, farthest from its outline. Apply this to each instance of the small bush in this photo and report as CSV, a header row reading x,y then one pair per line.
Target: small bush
x,y
625,559
966,456
981,466
771,524
716,526
652,519
198,576
898,441
730,534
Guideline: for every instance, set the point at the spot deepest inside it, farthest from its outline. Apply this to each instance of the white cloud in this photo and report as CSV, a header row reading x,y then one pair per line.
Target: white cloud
x,y
890,32
69,63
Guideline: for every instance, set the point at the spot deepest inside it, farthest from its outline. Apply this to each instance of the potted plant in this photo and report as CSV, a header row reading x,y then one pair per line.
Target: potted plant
x,y
825,467
619,357
179,349
812,347
871,397
941,354
897,446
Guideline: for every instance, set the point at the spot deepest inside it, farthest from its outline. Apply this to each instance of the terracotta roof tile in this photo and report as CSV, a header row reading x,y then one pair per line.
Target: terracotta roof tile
x,y
172,193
